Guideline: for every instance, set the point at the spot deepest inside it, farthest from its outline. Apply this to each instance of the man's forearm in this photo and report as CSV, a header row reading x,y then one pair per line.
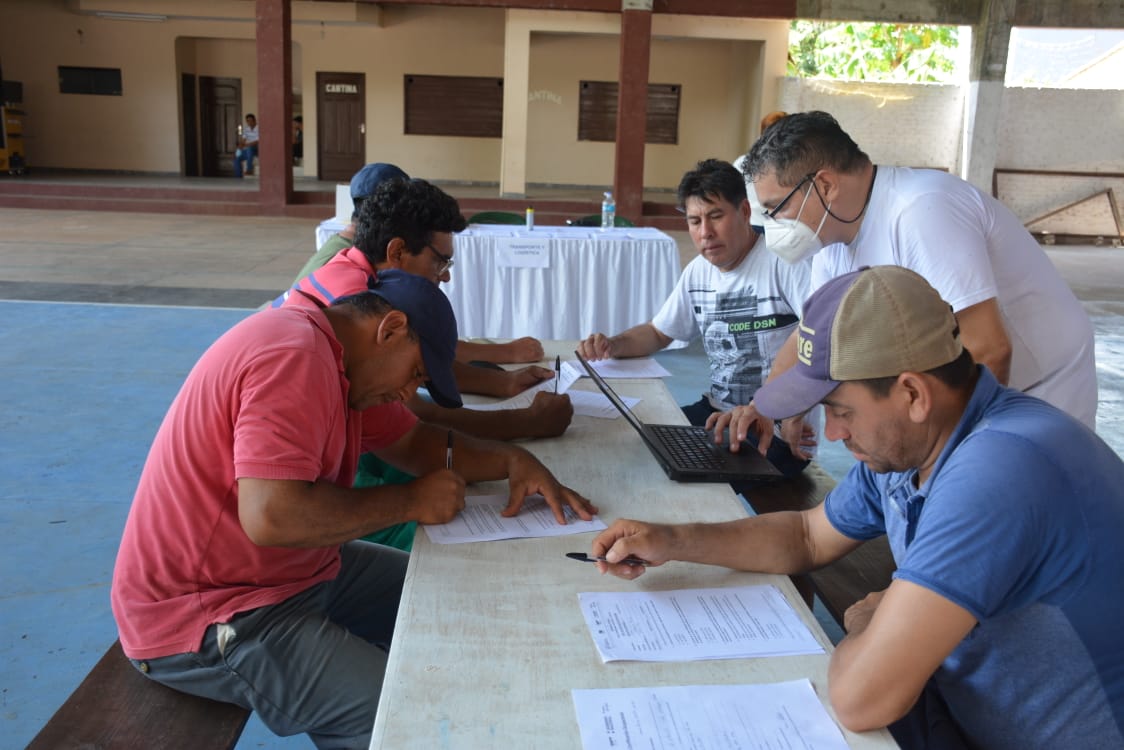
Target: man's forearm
x,y
768,543
423,450
482,380
509,424
317,514
639,341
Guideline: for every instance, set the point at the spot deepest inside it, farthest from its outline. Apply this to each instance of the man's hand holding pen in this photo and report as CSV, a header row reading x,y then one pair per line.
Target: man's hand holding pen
x,y
627,540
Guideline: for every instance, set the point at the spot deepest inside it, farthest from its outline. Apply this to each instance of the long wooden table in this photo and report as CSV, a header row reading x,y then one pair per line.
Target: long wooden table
x,y
490,638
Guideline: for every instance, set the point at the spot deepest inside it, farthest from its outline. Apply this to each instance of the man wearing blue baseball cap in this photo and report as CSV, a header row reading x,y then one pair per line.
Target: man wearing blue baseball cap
x,y
237,577
1000,629
364,183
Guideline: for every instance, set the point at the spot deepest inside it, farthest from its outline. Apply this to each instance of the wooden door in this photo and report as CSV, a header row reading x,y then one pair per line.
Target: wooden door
x,y
341,130
189,113
220,114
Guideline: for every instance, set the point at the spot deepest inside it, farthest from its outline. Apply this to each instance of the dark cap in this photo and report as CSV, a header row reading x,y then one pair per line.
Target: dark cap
x,y
367,179
431,317
872,323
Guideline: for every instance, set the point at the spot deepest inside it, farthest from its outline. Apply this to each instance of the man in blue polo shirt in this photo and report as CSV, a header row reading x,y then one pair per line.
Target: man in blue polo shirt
x,y
1005,515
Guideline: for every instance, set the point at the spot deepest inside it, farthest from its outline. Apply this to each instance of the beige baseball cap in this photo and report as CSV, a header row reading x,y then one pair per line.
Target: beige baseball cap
x,y
876,322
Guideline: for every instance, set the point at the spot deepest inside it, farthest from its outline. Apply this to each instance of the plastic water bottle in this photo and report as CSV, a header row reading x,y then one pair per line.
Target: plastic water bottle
x,y
530,218
608,211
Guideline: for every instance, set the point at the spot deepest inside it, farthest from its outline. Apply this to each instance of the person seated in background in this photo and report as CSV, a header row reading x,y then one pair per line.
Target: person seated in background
x,y
1000,629
363,185
298,138
247,149
408,225
743,301
237,578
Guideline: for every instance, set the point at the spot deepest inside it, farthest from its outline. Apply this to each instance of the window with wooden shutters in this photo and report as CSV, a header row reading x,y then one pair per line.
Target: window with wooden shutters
x,y
597,112
101,81
454,105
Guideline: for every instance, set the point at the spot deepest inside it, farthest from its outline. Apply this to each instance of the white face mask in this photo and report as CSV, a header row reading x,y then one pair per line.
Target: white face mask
x,y
791,239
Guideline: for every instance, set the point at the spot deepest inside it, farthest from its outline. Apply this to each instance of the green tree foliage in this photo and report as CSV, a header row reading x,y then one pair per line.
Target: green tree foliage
x,y
890,52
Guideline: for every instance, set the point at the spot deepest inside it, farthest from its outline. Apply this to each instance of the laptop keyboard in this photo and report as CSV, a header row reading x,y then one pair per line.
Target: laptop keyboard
x,y
689,447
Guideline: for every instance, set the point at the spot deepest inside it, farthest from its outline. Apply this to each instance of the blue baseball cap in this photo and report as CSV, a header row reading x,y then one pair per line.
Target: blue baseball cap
x,y
367,179
431,317
876,322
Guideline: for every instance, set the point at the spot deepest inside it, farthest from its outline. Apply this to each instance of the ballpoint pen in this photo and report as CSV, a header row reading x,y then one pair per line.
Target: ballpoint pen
x,y
557,372
449,451
583,557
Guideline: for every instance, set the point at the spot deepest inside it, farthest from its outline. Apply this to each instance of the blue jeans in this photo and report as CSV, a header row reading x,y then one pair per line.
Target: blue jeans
x,y
778,454
246,155
313,663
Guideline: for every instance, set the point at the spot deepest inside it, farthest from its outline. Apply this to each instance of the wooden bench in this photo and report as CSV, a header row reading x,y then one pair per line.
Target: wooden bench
x,y
847,580
117,707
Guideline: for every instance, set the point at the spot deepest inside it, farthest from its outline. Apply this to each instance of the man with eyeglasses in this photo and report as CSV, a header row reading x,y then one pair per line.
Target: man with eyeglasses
x,y
363,185
823,198
408,225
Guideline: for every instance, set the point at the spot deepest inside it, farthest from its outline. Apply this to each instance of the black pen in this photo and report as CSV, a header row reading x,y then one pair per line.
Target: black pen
x,y
449,451
583,557
557,372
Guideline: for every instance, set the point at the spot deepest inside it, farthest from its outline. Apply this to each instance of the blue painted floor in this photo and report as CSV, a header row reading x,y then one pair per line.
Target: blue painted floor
x,y
86,385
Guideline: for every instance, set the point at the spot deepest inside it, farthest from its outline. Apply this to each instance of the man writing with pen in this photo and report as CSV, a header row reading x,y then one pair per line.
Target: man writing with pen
x,y
237,577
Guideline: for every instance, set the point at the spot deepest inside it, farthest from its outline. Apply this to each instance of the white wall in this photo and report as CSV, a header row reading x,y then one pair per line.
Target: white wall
x,y
900,124
1056,130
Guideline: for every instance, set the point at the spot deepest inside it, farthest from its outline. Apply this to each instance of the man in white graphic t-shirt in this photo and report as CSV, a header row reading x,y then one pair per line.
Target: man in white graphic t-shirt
x,y
743,301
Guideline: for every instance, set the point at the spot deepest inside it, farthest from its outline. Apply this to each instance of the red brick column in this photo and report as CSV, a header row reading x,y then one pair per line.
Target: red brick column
x,y
632,108
275,104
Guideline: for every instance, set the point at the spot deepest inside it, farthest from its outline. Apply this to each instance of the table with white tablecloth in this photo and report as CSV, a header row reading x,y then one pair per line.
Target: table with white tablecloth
x,y
588,280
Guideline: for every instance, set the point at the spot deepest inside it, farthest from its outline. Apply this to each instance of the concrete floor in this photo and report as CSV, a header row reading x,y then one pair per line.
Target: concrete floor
x,y
104,315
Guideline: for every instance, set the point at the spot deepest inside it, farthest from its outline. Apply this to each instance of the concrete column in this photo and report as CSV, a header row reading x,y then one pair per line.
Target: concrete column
x,y
632,107
991,38
516,84
275,104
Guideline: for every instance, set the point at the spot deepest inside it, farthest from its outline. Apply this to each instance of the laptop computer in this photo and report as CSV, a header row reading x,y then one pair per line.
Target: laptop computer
x,y
688,453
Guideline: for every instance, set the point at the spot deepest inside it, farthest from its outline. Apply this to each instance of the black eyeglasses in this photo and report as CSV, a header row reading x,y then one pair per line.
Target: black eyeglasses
x,y
446,260
772,213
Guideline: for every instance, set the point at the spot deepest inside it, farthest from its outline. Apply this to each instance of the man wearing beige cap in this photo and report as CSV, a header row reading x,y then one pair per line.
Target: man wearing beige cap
x,y
1004,514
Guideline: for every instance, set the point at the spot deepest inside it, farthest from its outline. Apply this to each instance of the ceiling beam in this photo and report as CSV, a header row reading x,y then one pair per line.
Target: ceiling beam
x,y
729,8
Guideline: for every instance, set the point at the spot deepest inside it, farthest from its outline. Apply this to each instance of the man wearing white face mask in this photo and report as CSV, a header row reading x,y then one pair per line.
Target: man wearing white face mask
x,y
823,197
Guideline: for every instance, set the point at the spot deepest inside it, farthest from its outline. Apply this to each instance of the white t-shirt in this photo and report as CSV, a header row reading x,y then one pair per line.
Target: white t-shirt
x,y
744,316
250,134
972,248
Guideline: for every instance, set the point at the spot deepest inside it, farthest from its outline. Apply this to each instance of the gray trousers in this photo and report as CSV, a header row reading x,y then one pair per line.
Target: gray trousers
x,y
313,663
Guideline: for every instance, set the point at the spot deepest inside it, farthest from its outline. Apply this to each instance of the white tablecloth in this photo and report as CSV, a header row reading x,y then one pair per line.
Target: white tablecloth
x,y
596,281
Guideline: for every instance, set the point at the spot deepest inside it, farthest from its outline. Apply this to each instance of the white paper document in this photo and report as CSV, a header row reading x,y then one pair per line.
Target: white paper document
x,y
693,624
640,367
589,404
480,521
706,717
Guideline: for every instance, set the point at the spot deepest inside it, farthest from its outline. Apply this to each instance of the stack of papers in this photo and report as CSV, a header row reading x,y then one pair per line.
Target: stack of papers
x,y
693,624
717,717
